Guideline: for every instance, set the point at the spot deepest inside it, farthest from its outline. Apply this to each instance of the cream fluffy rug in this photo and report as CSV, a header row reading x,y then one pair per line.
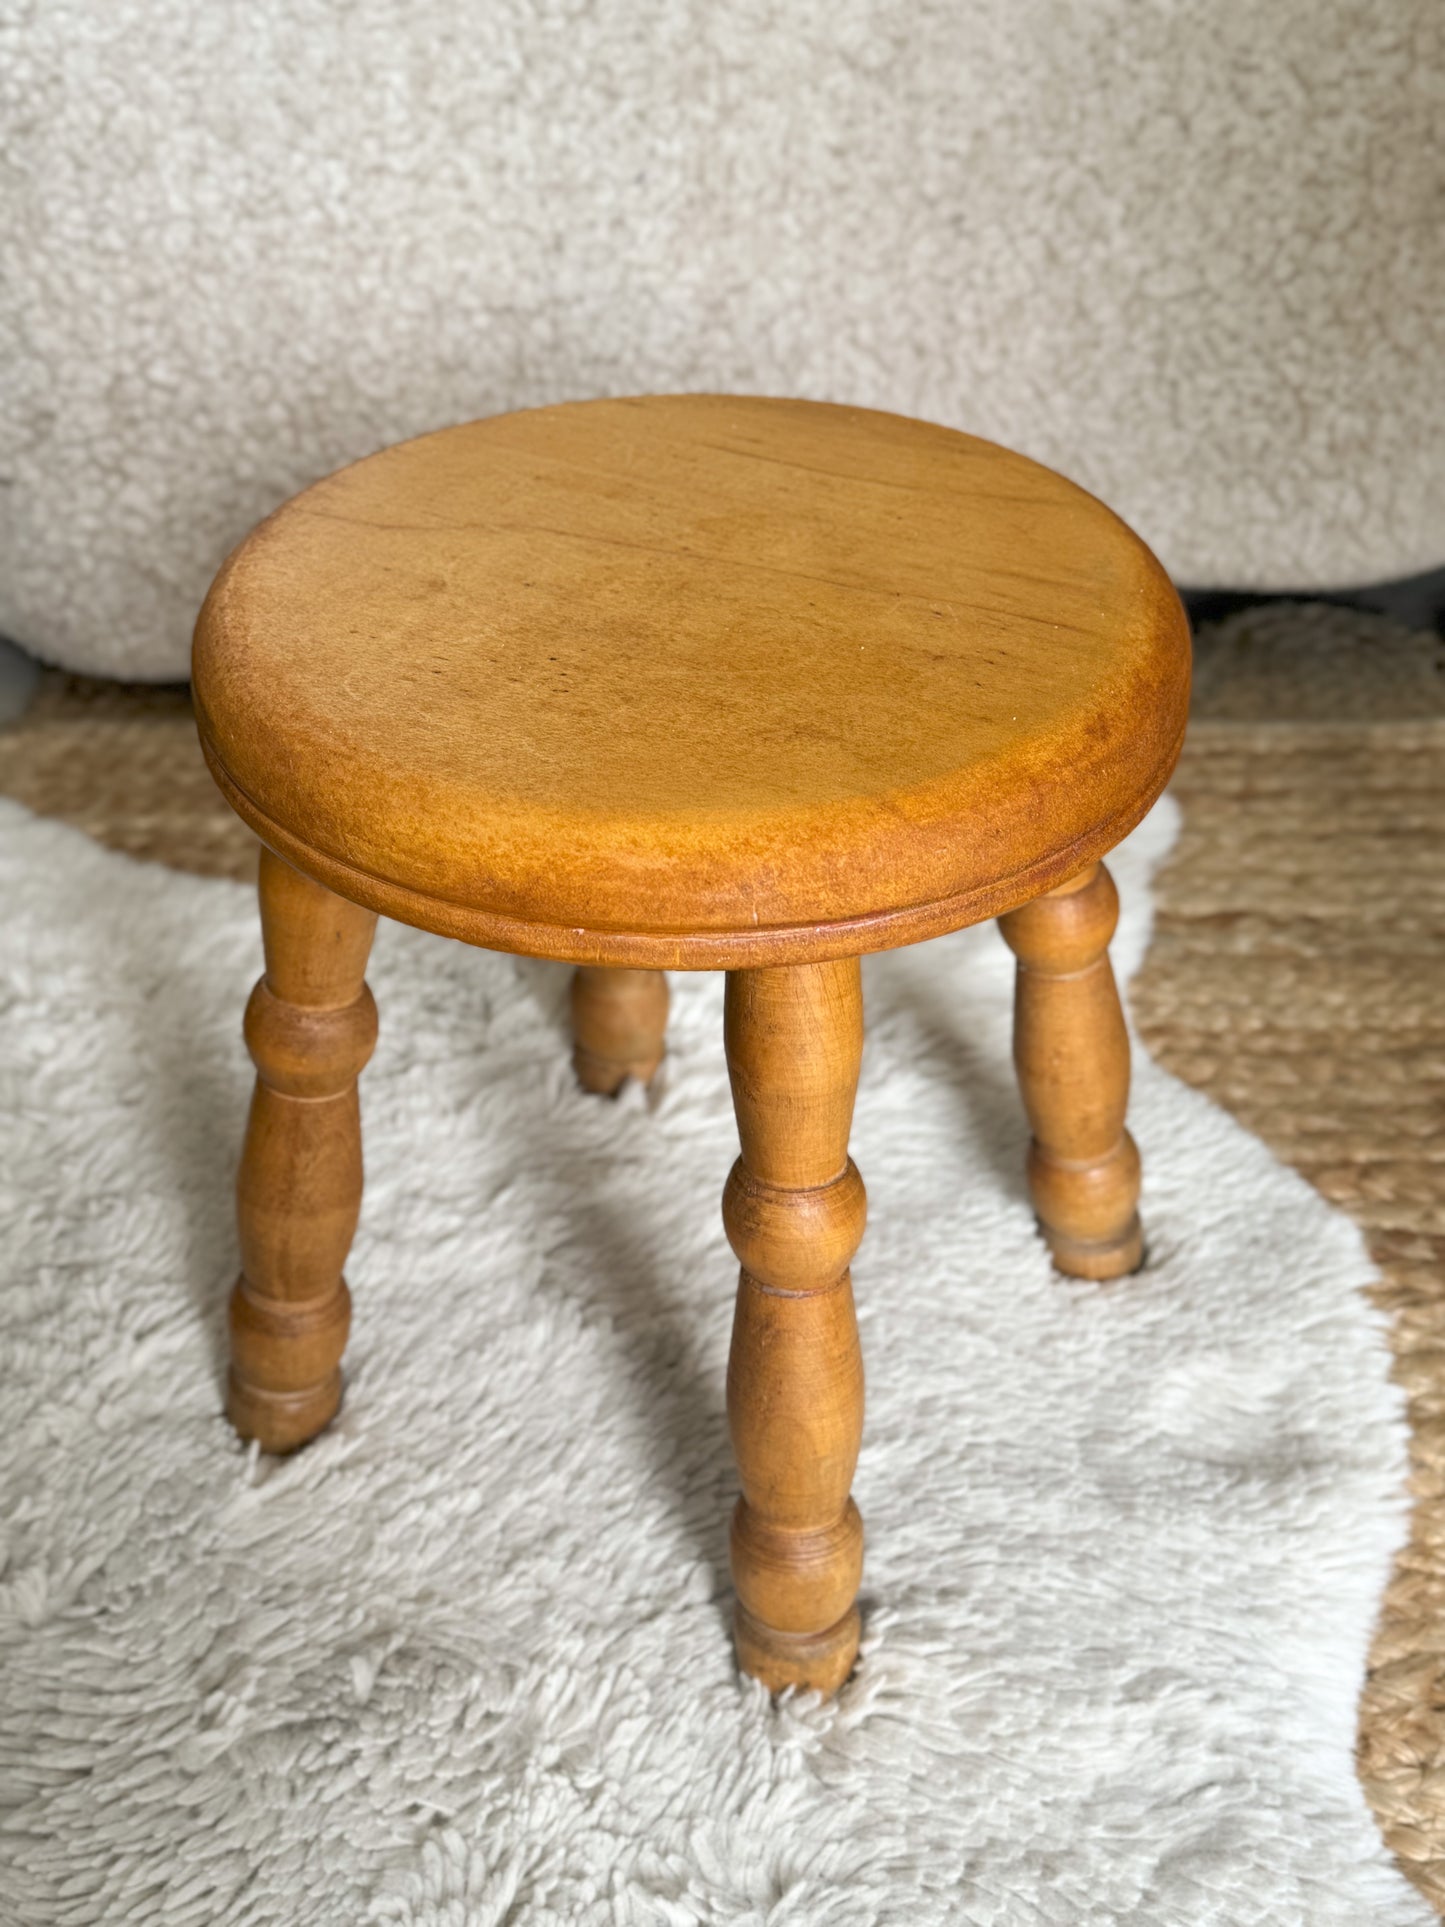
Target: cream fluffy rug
x,y
465,1660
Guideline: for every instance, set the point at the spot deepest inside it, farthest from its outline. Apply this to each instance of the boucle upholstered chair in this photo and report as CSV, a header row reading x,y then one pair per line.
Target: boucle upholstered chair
x,y
1193,257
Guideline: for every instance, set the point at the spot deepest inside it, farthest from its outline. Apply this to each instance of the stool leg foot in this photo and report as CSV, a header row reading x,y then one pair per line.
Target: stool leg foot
x,y
1072,1053
310,1027
619,1023
794,1210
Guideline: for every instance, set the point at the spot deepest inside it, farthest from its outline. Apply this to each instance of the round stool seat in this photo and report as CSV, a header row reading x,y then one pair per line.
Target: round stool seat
x,y
692,681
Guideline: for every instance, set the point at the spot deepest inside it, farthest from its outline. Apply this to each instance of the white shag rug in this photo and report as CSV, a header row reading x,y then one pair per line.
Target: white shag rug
x,y
465,1661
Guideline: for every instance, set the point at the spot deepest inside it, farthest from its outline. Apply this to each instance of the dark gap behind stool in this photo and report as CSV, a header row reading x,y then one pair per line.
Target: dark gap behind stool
x,y
1414,601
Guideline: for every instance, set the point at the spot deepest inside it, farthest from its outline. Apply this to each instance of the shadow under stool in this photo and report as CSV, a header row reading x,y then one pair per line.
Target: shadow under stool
x,y
690,683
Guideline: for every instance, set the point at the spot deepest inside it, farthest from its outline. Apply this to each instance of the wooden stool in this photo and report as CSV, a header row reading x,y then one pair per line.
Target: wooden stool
x,y
690,683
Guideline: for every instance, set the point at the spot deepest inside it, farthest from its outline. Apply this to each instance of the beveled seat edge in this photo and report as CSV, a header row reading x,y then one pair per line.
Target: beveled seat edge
x,y
752,947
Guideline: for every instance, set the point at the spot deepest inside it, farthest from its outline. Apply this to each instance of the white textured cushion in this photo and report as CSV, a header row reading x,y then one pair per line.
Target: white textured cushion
x,y
1192,254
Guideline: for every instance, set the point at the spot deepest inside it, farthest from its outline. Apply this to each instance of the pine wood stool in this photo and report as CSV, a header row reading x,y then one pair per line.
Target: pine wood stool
x,y
690,683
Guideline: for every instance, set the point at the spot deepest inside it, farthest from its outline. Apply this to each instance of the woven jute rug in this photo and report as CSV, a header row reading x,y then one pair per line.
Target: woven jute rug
x,y
1291,976
1296,976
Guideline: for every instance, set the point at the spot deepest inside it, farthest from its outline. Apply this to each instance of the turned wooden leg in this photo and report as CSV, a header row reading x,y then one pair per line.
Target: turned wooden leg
x,y
794,1209
310,1027
619,1022
1072,1053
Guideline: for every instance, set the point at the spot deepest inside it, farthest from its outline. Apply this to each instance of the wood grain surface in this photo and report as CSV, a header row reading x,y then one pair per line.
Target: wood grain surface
x,y
1071,1049
310,1027
692,681
794,1209
619,1026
